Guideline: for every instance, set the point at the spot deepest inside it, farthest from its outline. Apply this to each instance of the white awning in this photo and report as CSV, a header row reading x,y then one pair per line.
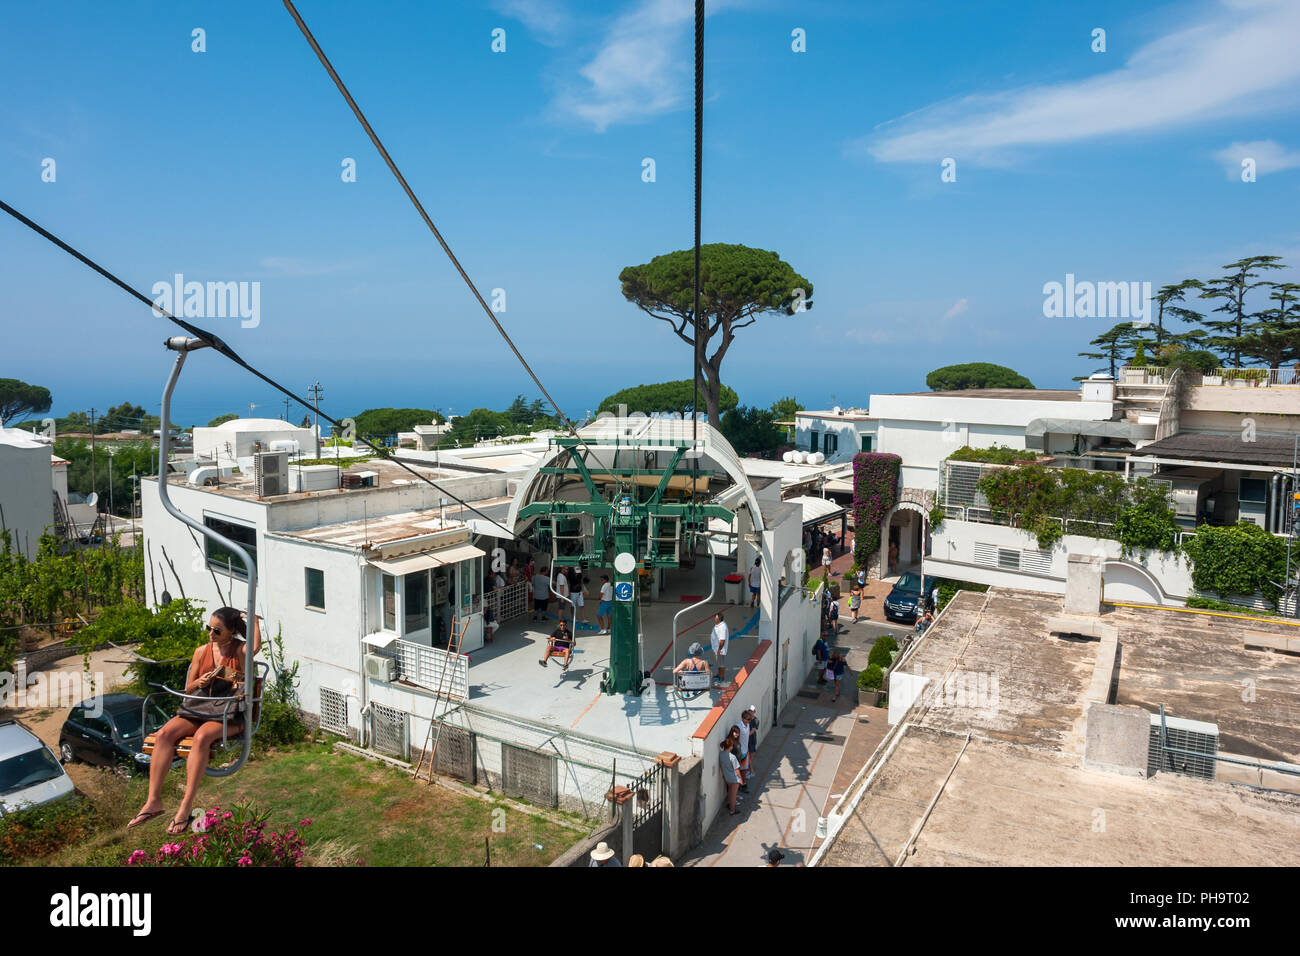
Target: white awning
x,y
817,510
411,563
379,640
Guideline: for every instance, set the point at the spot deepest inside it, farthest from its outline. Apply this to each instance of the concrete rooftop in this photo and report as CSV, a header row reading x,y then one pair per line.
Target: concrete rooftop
x,y
1019,794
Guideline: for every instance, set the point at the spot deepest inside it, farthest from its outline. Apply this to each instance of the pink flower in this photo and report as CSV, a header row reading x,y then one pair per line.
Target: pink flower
x,y
305,823
245,860
137,856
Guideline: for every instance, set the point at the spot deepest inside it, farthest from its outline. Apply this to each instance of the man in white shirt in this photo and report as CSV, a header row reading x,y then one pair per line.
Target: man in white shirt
x,y
606,608
755,581
718,642
561,586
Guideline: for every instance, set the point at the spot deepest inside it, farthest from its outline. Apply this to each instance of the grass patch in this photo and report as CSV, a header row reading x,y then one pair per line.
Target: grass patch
x,y
360,809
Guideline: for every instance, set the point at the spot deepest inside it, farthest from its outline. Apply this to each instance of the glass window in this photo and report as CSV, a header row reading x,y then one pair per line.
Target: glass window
x,y
222,558
1253,489
27,770
99,725
866,443
128,721
830,444
415,601
390,603
315,588
812,443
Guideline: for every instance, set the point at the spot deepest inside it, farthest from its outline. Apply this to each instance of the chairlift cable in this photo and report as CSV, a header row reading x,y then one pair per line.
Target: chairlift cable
x,y
419,207
695,309
220,346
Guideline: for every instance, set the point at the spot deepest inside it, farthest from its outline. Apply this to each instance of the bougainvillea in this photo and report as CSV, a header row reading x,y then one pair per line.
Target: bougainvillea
x,y
236,837
875,491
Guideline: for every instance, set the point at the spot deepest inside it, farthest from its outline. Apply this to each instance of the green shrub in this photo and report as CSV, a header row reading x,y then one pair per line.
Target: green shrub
x,y
281,721
882,651
871,678
1209,604
41,830
996,455
1047,530
1238,560
1148,523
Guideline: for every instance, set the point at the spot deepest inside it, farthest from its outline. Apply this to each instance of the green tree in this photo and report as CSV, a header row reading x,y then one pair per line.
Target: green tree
x,y
975,375
19,398
752,431
222,419
1113,345
786,408
1166,299
121,417
1227,333
664,397
385,422
1274,340
737,285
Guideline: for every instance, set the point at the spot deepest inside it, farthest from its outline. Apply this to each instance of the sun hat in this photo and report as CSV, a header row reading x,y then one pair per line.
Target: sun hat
x,y
602,852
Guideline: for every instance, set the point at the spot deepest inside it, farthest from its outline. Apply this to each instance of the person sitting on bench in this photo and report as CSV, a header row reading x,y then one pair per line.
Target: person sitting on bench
x,y
561,643
694,664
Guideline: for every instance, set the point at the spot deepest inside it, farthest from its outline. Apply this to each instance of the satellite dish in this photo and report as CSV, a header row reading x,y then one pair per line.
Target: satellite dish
x,y
624,563
92,499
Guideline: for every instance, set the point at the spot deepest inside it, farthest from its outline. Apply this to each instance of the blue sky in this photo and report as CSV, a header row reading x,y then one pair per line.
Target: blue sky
x,y
225,166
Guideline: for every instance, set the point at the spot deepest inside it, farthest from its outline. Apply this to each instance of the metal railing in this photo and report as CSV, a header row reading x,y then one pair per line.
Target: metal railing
x,y
1225,377
508,602
425,667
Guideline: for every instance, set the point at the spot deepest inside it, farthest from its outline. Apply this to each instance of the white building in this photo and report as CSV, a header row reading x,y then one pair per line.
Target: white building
x,y
27,480
839,433
239,437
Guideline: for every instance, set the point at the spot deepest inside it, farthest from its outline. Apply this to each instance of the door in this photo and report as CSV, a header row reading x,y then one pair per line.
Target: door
x,y
98,740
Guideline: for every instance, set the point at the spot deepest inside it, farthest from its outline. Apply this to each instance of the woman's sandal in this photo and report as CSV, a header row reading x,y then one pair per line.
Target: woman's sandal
x,y
143,817
178,827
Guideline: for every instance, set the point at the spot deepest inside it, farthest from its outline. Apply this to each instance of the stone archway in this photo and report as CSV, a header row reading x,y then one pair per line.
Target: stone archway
x,y
916,502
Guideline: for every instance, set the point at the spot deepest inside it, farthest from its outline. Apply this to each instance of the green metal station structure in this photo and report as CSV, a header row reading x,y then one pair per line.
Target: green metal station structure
x,y
636,495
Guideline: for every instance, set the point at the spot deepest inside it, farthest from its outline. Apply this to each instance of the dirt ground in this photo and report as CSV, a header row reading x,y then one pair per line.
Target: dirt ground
x,y
109,669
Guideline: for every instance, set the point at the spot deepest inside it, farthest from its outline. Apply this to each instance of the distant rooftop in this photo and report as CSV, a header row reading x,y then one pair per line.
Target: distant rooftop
x,y
1020,394
1260,450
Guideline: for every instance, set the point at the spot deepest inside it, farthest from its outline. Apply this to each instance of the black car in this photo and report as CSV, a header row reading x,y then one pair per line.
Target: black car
x,y
902,602
106,731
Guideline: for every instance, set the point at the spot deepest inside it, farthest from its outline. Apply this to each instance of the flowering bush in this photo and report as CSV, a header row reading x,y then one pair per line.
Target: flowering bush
x,y
875,491
236,837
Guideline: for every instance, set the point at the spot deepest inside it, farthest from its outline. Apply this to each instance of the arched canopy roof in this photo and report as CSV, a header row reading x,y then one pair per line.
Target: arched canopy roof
x,y
645,443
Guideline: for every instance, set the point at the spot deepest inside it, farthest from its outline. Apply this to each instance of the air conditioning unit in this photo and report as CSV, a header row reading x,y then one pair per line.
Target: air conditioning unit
x,y
1196,743
271,473
379,667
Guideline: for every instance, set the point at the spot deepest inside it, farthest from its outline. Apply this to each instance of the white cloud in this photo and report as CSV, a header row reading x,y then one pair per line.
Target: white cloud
x,y
548,20
1269,157
1240,60
644,67
957,308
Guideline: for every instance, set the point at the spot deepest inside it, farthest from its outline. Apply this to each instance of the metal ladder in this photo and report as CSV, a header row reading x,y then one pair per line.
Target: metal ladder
x,y
434,733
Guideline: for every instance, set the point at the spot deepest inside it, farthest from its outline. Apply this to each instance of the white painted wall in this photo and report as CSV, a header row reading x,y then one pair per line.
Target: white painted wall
x,y
1125,579
848,430
26,487
924,429
241,437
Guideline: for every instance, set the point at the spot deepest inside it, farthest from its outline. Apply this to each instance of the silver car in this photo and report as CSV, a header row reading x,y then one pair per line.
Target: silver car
x,y
30,773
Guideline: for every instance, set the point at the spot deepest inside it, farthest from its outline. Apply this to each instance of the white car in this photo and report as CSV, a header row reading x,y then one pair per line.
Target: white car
x,y
30,773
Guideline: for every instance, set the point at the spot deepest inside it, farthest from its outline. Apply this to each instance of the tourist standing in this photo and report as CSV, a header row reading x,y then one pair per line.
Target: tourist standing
x,y
606,606
755,581
718,639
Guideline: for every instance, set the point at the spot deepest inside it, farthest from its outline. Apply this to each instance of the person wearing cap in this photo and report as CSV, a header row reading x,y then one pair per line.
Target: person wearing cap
x,y
603,855
694,664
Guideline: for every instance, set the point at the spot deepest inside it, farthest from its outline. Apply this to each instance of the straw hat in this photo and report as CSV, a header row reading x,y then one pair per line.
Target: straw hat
x,y
636,859
602,852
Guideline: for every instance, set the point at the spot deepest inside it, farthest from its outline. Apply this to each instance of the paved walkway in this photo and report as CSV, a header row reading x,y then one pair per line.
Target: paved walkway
x,y
802,767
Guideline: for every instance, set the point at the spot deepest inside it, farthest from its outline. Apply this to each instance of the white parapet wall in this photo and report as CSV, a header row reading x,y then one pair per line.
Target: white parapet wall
x,y
1010,557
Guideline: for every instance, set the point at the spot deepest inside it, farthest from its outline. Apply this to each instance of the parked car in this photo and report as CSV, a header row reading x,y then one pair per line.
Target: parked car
x,y
114,737
901,604
30,774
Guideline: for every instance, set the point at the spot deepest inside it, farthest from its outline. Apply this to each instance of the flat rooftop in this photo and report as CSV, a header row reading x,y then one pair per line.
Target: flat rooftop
x,y
1022,394
1020,795
374,532
244,487
505,675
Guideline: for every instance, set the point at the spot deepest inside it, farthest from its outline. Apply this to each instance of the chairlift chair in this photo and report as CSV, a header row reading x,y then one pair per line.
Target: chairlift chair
x,y
182,346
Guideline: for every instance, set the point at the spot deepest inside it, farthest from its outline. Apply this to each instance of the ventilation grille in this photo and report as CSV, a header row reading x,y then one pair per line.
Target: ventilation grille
x,y
1200,739
390,731
334,712
1013,559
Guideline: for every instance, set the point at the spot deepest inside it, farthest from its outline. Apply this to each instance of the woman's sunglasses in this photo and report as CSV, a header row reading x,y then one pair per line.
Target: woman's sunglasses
x,y
214,629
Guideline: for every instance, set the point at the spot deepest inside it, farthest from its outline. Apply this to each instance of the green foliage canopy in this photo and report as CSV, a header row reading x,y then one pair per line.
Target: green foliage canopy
x,y
675,397
975,375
